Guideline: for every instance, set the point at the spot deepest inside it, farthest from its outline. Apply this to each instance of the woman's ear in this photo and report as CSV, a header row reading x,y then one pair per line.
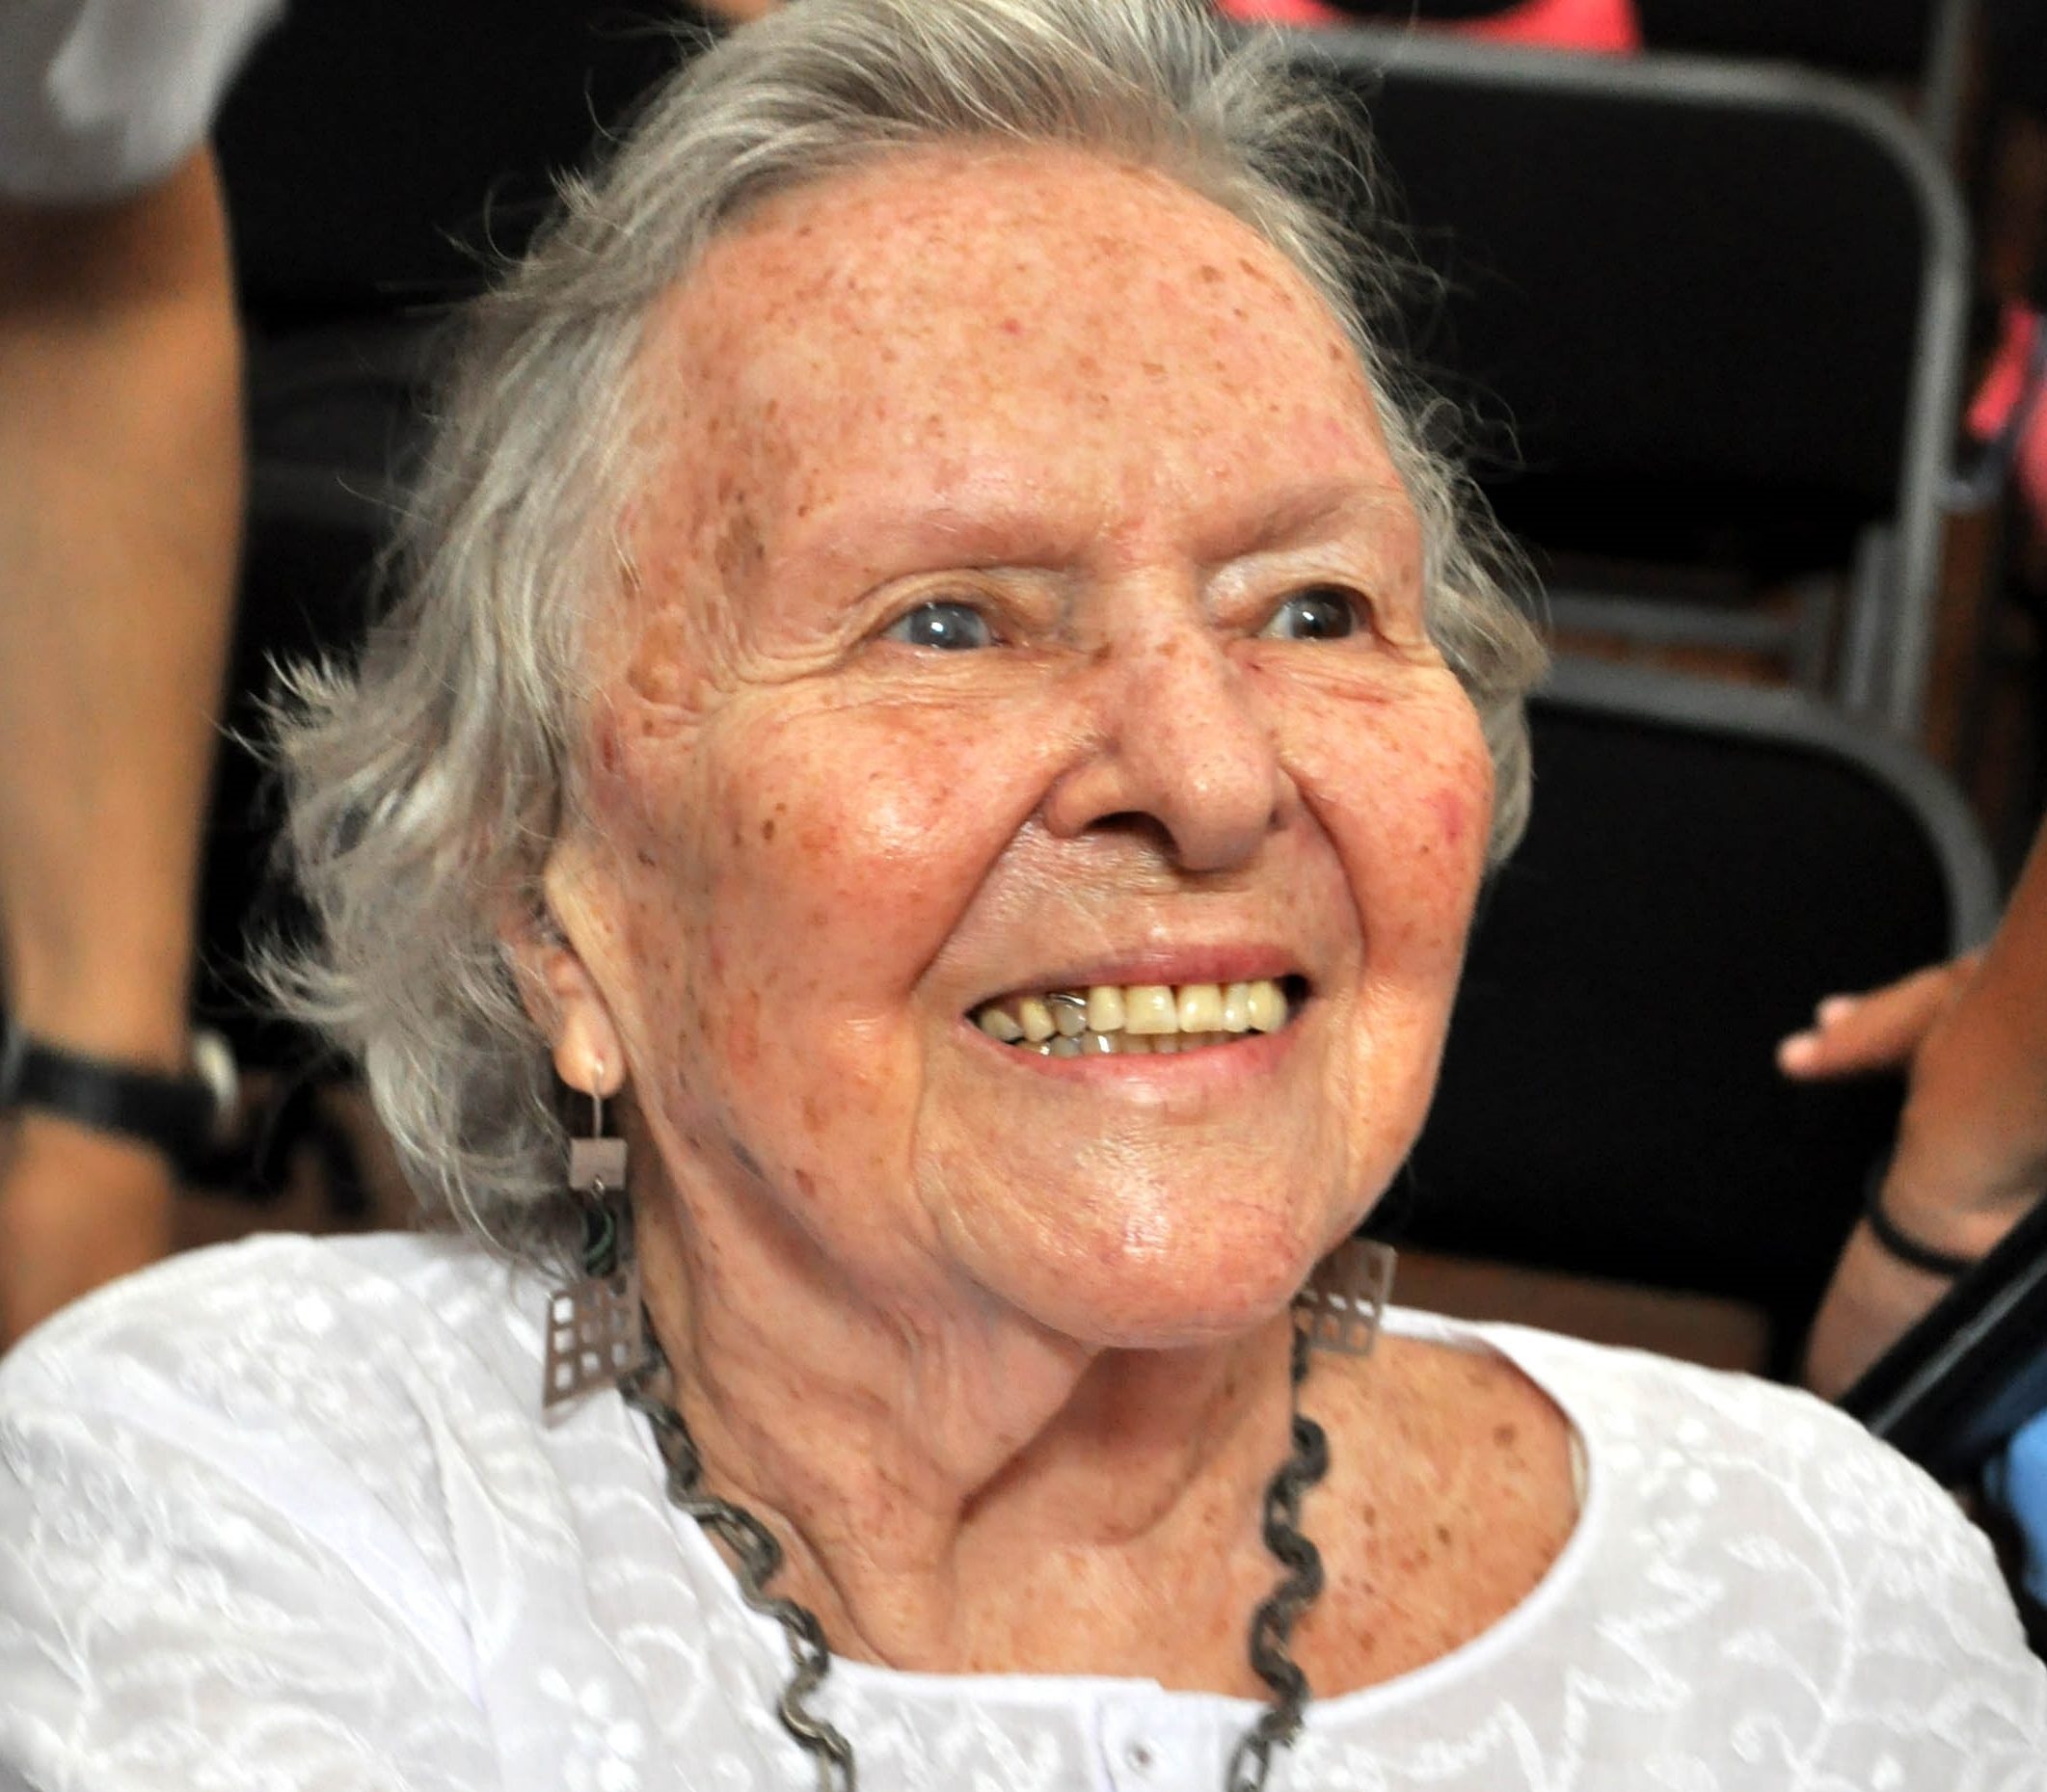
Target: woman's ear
x,y
563,1000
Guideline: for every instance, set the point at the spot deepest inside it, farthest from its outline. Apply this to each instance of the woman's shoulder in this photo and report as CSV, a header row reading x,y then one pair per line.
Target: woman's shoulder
x,y
1744,1560
1660,1429
290,1513
225,1476
1619,1399
335,1308
322,1377
1753,1485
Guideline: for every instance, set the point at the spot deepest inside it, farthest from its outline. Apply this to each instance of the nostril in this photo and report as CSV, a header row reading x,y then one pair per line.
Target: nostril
x,y
1137,825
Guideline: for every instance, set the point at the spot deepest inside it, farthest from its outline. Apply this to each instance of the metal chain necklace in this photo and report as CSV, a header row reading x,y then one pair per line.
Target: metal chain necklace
x,y
758,1557
598,1333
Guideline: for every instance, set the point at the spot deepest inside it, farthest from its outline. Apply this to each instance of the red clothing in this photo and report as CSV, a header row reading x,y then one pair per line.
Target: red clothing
x,y
2001,392
1605,25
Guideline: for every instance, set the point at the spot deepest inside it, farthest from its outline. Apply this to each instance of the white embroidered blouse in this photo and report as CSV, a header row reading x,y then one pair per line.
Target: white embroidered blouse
x,y
286,1516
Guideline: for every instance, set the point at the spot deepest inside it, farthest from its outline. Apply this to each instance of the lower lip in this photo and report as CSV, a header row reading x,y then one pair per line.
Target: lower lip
x,y
1252,1054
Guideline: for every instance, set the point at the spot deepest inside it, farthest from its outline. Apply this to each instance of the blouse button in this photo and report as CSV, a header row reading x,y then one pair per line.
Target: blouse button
x,y
1139,1756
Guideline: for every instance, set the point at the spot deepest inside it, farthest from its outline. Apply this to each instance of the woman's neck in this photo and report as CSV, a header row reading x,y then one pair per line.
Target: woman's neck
x,y
959,1489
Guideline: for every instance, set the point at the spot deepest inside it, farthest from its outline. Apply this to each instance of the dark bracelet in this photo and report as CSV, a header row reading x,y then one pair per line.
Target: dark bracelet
x,y
187,1117
1903,1245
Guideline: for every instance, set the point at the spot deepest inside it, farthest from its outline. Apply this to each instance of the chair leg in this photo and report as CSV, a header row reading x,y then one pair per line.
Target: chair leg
x,y
1860,682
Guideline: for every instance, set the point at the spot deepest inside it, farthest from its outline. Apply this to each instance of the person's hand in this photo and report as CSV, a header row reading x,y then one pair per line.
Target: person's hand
x,y
1972,1144
1878,1029
1972,1147
1971,1037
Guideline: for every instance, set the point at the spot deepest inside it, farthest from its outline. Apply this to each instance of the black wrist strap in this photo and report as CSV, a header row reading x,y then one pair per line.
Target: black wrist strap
x,y
1901,1246
181,1116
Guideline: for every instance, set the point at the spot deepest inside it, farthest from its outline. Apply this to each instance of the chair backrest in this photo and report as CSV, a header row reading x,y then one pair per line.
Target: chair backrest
x,y
1705,861
1859,36
1868,37
381,154
1892,39
377,156
1924,43
1715,310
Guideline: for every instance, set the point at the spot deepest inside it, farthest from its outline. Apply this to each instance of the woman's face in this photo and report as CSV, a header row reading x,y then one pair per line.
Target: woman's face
x,y
1023,604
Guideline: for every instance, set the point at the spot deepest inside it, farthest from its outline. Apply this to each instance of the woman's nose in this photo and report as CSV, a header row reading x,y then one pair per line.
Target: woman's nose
x,y
1183,743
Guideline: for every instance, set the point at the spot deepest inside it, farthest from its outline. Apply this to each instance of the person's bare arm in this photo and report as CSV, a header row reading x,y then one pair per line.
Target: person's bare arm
x,y
121,488
1972,1149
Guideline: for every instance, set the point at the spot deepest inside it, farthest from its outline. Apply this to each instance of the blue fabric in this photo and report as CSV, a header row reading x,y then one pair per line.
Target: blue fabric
x,y
2018,1481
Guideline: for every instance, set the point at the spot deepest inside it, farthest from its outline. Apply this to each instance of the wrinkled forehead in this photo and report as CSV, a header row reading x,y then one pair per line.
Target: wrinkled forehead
x,y
925,315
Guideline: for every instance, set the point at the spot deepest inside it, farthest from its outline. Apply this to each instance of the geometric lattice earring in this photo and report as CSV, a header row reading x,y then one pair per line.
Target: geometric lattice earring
x,y
1344,1301
596,1326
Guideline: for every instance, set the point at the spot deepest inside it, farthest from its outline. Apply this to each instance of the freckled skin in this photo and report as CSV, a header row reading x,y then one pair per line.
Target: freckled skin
x,y
914,870
816,849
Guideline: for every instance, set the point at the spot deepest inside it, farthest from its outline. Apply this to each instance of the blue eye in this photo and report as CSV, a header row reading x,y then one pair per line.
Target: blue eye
x,y
1321,613
950,628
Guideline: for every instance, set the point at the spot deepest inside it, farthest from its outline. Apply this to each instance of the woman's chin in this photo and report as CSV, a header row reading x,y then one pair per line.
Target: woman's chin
x,y
1160,1299
1187,1331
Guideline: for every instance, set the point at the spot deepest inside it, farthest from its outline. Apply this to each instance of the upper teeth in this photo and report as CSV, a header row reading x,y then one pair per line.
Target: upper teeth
x,y
1070,1021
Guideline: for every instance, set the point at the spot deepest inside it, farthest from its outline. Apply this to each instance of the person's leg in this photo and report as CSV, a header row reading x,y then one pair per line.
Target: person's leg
x,y
120,501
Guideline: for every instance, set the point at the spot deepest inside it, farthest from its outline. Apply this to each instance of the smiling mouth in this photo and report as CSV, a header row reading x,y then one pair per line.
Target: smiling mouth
x,y
1107,1020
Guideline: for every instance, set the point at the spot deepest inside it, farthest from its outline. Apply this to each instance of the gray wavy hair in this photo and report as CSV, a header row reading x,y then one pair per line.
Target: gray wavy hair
x,y
428,785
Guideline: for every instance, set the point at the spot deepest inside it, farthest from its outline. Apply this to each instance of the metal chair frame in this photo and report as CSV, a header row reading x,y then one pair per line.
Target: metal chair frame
x,y
1887,623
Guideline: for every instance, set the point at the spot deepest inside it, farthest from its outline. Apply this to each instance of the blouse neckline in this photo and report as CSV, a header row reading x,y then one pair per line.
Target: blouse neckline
x,y
1065,1690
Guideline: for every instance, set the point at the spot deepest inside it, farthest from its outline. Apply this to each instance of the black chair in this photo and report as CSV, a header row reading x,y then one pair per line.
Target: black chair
x,y
1714,314
1921,44
1705,861
380,156
378,159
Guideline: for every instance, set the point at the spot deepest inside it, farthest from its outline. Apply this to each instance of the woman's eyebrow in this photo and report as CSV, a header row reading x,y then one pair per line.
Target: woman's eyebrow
x,y
874,543
1306,514
896,541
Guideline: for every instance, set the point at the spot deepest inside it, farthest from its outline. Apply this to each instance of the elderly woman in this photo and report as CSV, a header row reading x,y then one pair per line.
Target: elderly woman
x,y
941,688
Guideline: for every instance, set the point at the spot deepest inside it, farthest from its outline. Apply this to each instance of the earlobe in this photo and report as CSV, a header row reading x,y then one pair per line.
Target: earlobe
x,y
564,1001
587,1055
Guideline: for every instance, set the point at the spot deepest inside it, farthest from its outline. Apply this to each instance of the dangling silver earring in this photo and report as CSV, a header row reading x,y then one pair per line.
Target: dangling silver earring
x,y
1341,1307
596,1326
